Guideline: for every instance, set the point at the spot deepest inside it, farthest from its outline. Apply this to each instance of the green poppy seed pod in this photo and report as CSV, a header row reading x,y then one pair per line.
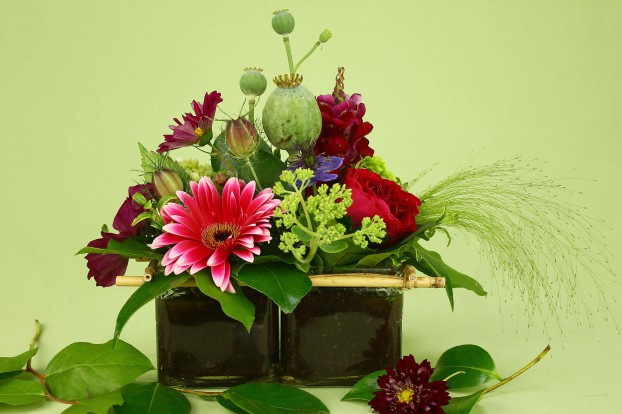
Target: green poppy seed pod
x,y
283,22
325,36
241,137
166,183
253,83
291,117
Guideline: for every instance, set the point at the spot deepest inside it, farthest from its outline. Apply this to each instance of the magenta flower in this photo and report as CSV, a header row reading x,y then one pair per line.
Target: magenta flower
x,y
209,228
194,126
106,267
408,390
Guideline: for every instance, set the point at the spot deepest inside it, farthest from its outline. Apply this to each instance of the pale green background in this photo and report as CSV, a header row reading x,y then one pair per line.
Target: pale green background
x,y
82,81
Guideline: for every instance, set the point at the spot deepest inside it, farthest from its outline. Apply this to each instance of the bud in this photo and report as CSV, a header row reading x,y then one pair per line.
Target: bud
x,y
241,137
220,178
166,183
325,36
283,22
253,82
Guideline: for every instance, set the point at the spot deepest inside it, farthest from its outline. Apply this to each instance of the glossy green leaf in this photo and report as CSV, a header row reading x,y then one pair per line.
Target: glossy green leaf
x,y
282,283
152,398
334,247
476,362
96,405
301,234
9,375
230,405
365,387
20,392
16,363
84,370
235,305
267,398
267,167
463,405
130,248
145,294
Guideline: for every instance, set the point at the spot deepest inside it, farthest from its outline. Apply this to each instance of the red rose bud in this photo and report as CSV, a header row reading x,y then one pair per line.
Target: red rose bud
x,y
166,183
241,137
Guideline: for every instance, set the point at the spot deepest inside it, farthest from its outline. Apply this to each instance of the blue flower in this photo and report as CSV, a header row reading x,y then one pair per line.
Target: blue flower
x,y
322,167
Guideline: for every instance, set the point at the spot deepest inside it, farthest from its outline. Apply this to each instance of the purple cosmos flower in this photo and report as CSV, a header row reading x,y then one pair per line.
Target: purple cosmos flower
x,y
106,267
194,126
322,166
408,390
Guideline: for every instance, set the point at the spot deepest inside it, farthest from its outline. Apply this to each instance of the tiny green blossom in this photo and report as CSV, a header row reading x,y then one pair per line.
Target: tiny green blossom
x,y
377,165
195,169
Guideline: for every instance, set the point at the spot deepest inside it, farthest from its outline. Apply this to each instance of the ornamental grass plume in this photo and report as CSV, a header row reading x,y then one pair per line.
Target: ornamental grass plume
x,y
210,228
542,245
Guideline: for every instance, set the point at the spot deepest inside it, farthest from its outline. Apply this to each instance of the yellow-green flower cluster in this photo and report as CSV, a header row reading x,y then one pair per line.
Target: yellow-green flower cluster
x,y
195,169
377,165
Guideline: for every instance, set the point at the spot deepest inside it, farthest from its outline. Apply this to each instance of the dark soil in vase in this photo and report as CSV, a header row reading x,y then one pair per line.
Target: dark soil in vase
x,y
338,335
199,346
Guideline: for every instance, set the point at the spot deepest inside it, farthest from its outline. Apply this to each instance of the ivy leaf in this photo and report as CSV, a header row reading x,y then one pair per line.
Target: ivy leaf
x,y
463,405
152,398
267,398
282,283
16,363
96,405
365,387
84,370
130,248
235,305
144,294
476,362
20,392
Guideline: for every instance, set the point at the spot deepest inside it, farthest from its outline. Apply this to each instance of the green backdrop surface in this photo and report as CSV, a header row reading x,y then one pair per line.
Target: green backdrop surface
x,y
446,83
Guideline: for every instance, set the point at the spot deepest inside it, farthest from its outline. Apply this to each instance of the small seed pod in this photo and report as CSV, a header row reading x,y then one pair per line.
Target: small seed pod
x,y
283,22
166,183
241,137
253,83
325,36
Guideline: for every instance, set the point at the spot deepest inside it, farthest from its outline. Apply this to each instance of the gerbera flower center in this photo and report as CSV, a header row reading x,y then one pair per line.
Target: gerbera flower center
x,y
405,396
215,234
199,132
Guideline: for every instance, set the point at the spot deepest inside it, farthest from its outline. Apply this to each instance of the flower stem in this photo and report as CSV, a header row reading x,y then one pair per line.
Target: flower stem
x,y
250,167
315,46
251,110
520,371
200,393
33,343
288,50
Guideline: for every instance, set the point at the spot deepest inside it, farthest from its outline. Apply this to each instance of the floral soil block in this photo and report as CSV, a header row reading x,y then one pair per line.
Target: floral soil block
x,y
199,346
338,335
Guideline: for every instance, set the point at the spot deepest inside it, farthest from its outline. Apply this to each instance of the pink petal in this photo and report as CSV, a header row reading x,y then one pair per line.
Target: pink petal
x,y
246,255
220,255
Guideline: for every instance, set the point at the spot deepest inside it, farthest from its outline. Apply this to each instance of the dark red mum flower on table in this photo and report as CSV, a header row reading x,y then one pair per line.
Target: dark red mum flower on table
x,y
106,267
194,126
408,390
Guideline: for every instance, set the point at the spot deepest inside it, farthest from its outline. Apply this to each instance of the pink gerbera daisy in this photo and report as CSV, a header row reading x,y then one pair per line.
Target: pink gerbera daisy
x,y
210,228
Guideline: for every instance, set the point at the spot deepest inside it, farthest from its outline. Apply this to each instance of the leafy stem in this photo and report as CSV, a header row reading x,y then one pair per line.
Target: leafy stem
x,y
520,371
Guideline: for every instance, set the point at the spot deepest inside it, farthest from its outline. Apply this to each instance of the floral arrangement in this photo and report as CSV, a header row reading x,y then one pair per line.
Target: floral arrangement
x,y
296,191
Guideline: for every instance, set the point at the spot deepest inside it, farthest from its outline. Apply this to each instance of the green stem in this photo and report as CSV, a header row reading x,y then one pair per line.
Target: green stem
x,y
315,243
33,343
315,46
219,154
304,208
250,167
520,371
200,393
288,50
251,110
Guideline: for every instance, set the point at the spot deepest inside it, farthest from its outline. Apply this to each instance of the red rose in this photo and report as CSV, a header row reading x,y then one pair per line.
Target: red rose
x,y
373,195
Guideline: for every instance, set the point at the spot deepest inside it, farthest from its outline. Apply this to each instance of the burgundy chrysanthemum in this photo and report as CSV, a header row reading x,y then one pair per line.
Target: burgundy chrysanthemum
x,y
343,129
106,267
408,390
194,126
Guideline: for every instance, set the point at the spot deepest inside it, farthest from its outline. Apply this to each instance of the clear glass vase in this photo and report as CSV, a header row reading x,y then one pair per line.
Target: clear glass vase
x,y
337,335
199,346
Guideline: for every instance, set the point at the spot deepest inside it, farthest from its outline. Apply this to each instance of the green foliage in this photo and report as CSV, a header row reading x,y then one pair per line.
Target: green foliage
x,y
152,398
96,405
475,362
15,364
267,166
130,248
145,294
20,392
84,370
235,305
269,398
365,387
282,283
377,165
463,405
153,161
